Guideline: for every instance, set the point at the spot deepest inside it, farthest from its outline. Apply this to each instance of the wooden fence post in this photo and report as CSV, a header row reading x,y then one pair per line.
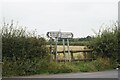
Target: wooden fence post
x,y
56,50
64,50
68,50
50,50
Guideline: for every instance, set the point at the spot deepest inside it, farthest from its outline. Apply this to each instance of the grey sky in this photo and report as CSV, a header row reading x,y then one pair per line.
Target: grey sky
x,y
52,15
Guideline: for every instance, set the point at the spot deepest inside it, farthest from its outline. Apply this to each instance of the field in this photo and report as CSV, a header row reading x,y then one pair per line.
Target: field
x,y
78,55
60,47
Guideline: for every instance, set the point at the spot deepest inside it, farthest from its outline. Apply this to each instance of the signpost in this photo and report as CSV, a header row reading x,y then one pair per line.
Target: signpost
x,y
56,50
58,34
63,35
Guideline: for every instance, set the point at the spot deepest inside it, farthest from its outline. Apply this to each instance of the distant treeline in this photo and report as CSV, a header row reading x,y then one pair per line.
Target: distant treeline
x,y
78,39
74,41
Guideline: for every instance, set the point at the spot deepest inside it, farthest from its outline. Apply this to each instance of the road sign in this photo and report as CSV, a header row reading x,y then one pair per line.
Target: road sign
x,y
66,35
58,34
54,34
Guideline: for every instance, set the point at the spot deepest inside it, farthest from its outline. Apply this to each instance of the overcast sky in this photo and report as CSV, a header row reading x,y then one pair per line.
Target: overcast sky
x,y
76,16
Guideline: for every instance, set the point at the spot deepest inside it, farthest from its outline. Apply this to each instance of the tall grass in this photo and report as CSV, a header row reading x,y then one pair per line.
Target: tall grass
x,y
97,65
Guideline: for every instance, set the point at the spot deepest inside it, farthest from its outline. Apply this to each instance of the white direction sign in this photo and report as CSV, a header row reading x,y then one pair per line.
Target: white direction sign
x,y
66,35
57,34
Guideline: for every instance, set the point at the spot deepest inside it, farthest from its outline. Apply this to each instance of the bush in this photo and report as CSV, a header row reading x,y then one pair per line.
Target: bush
x,y
118,36
105,43
21,50
103,64
96,65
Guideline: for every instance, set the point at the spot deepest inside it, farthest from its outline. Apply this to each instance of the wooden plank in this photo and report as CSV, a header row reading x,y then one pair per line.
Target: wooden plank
x,y
76,51
87,59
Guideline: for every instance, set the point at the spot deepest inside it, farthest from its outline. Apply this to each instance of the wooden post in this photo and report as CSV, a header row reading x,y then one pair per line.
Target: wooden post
x,y
56,50
64,50
50,50
68,50
85,55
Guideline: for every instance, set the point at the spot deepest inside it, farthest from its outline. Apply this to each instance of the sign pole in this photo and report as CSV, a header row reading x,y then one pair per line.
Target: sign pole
x,y
68,50
63,35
